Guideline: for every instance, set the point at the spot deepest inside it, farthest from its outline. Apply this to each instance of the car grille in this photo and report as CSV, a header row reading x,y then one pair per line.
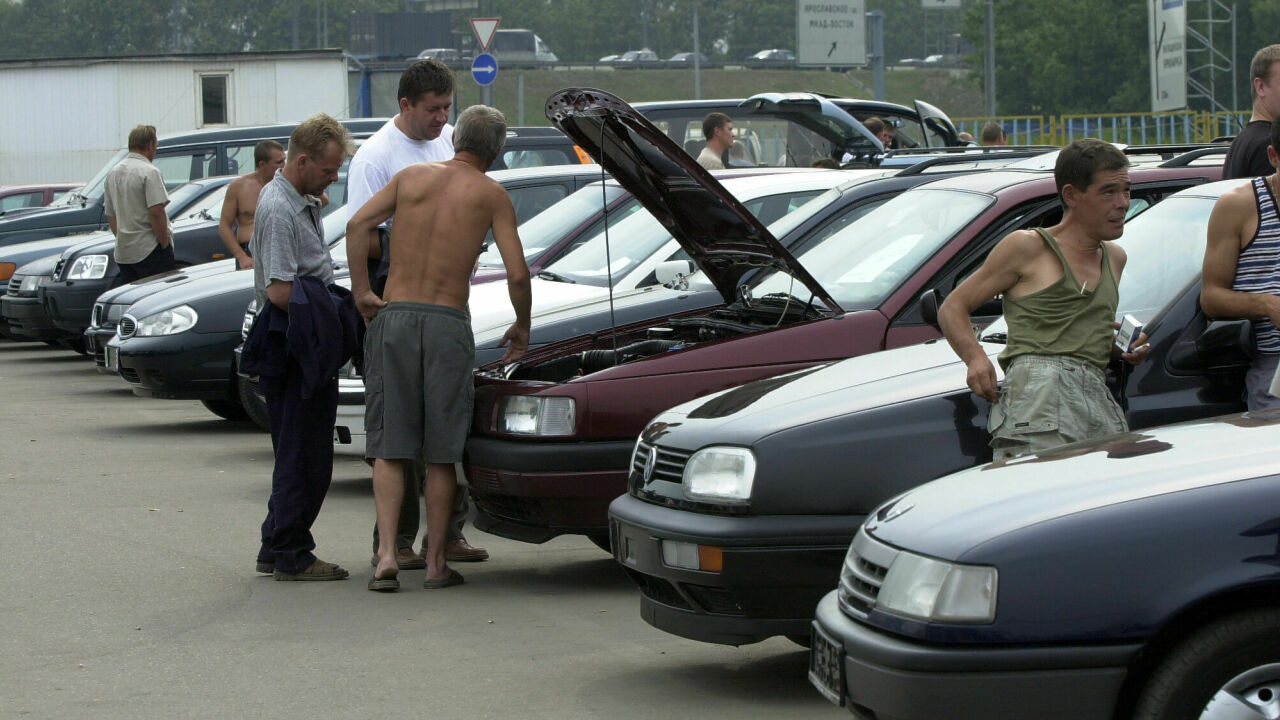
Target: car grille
x,y
864,570
716,601
15,284
128,326
130,375
669,465
658,590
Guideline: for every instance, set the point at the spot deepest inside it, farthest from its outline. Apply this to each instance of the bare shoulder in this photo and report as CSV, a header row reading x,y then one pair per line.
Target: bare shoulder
x,y
1237,200
1021,244
1116,252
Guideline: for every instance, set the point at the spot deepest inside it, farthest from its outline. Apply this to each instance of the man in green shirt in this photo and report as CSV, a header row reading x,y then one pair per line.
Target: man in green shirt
x,y
1059,289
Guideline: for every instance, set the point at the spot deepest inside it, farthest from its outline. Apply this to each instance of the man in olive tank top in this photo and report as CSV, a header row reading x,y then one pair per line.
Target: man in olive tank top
x,y
1059,290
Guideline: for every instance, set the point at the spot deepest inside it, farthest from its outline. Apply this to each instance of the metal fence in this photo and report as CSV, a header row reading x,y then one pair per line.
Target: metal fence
x,y
1167,128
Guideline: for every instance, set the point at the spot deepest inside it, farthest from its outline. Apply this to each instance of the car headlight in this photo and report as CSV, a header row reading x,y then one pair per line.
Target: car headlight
x,y
929,589
722,474
88,267
533,415
29,284
167,322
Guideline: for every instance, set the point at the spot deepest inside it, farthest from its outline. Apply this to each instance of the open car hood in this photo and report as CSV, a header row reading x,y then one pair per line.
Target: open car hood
x,y
816,113
720,235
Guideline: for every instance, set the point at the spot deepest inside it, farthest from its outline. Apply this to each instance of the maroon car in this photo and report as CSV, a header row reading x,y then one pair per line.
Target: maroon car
x,y
552,435
38,195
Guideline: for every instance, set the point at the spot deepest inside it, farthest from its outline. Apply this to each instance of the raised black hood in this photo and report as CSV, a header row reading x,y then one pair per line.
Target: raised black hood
x,y
722,237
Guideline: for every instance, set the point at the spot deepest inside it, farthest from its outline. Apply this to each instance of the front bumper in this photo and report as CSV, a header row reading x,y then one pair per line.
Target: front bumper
x,y
95,342
26,318
775,569
883,677
185,366
69,303
534,491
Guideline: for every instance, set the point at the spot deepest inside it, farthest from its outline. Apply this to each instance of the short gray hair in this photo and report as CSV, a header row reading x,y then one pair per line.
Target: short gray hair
x,y
481,130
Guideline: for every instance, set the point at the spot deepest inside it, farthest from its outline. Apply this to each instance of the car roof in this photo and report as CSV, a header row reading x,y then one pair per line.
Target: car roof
x,y
363,126
545,171
995,181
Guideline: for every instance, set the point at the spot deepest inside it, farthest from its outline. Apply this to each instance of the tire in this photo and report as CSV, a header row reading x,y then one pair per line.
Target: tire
x,y
600,539
225,409
1229,668
255,406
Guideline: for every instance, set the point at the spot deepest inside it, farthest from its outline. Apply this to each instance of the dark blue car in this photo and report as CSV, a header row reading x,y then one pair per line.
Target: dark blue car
x,y
1136,576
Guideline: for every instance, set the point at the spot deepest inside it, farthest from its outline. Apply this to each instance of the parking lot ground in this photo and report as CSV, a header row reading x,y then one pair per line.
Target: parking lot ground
x,y
128,541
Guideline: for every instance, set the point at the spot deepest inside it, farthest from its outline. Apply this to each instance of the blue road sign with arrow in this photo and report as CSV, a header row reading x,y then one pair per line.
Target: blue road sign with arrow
x,y
484,69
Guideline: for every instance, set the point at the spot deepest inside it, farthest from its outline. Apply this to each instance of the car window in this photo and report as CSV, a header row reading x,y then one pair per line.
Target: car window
x,y
1165,249
548,228
530,200
863,262
21,200
210,204
94,188
183,167
240,158
536,157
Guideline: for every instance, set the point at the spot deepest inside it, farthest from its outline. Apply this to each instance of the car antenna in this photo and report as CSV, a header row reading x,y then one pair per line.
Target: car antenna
x,y
608,257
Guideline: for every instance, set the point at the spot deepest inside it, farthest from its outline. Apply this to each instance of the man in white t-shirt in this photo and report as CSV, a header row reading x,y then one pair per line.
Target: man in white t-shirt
x,y
420,132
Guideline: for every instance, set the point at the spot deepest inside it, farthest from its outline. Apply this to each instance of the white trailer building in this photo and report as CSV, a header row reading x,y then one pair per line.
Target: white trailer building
x,y
63,118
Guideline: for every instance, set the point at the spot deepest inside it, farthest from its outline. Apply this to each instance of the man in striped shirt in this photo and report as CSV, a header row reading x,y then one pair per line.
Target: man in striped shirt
x,y
1242,270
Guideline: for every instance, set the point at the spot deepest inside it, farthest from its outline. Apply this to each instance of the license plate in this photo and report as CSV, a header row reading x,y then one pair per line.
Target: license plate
x,y
113,359
825,666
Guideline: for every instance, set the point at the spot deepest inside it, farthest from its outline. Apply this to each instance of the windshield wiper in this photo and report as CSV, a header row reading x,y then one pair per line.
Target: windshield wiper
x,y
548,275
996,337
204,213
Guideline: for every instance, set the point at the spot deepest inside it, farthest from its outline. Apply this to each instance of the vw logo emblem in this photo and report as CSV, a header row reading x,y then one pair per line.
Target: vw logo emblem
x,y
649,464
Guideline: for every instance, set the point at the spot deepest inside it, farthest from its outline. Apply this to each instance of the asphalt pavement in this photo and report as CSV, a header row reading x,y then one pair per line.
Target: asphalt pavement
x,y
128,539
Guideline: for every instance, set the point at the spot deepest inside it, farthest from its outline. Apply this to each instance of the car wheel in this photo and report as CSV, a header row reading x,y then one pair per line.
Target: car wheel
x,y
1227,669
225,409
255,406
600,539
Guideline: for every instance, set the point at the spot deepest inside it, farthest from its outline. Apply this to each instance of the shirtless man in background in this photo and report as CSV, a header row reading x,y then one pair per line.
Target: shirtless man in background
x,y
419,351
242,200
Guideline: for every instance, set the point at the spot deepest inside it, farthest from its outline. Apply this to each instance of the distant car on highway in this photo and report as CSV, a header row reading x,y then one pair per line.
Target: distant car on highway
x,y
774,57
643,58
444,55
686,58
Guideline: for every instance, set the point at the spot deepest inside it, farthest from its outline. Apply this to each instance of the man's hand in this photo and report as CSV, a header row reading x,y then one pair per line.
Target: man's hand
x,y
1139,352
245,261
982,378
519,338
369,304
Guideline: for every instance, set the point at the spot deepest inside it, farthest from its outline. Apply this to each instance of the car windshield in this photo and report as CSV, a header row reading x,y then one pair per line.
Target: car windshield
x,y
627,243
862,263
95,187
335,226
548,227
209,207
1165,251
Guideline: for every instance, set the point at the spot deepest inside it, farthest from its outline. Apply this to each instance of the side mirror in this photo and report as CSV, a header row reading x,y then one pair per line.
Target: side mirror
x,y
1226,343
672,273
929,304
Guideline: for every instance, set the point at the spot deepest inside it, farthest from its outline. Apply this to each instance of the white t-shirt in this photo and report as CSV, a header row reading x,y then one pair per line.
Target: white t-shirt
x,y
386,153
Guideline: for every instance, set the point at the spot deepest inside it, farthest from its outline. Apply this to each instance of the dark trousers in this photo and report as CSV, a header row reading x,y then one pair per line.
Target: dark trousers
x,y
302,436
157,261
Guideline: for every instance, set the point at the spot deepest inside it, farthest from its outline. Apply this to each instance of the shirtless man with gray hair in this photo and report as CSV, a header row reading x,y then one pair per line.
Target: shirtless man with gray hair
x,y
419,352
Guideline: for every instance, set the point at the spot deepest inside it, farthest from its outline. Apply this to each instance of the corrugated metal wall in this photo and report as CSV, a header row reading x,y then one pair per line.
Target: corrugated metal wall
x,y
63,121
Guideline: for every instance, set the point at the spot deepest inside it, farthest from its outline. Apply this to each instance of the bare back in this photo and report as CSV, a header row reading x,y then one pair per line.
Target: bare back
x,y
442,212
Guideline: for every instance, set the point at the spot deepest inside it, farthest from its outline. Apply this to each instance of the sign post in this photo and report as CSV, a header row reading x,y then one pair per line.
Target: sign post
x,y
831,32
484,69
1168,42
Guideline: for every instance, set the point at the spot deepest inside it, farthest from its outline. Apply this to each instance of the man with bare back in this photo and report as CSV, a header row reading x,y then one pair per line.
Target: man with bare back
x,y
235,227
419,351
1060,295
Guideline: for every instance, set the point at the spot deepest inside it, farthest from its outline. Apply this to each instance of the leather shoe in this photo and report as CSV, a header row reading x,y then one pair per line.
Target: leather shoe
x,y
406,558
460,551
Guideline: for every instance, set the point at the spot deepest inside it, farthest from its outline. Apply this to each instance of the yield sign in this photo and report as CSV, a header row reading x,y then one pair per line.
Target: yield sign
x,y
484,28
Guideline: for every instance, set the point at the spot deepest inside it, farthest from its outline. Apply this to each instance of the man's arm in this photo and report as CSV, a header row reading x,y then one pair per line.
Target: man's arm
x,y
278,292
362,234
998,273
518,286
111,223
227,222
1227,224
160,225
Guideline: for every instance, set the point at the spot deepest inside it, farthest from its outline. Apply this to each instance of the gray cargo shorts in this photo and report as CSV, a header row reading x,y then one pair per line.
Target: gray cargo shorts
x,y
1050,400
419,383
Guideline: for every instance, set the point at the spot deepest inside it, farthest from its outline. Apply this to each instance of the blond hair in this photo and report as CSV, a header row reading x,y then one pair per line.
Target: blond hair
x,y
313,135
142,136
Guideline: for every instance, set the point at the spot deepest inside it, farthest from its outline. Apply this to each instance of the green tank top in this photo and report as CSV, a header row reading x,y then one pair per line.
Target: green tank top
x,y
1063,319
